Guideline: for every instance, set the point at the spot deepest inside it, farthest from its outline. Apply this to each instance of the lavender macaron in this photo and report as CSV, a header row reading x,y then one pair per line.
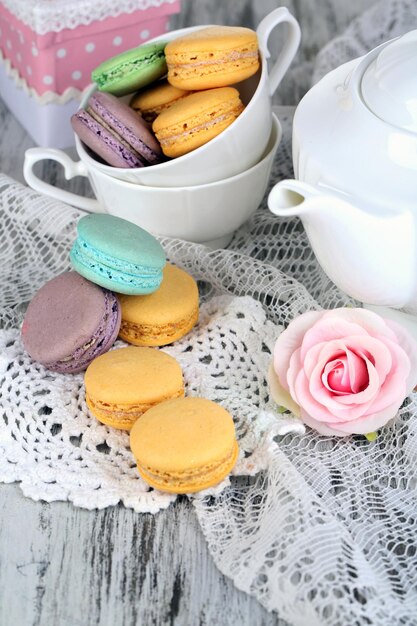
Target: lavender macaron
x,y
69,322
116,133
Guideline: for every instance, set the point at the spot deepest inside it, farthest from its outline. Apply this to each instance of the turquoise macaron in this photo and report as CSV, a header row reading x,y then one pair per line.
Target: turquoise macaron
x,y
131,70
117,254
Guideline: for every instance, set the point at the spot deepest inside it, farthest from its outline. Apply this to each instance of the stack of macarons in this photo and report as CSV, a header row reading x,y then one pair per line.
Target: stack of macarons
x,y
121,286
183,96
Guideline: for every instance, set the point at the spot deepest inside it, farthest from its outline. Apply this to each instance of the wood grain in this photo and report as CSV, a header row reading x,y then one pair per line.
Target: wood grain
x,y
60,565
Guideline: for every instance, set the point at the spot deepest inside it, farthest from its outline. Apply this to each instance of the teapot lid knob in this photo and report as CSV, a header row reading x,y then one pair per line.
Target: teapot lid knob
x,y
389,85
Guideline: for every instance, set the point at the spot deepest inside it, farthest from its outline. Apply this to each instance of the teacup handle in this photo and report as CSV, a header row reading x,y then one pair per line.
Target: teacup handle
x,y
71,169
290,46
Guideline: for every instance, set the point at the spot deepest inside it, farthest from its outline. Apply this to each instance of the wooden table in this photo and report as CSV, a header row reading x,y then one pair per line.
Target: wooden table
x,y
61,565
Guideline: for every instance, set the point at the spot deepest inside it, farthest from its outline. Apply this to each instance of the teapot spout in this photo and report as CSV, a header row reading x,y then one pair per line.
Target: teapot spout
x,y
293,198
367,252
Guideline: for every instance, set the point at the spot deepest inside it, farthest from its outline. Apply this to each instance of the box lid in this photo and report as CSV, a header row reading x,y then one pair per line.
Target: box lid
x,y
44,16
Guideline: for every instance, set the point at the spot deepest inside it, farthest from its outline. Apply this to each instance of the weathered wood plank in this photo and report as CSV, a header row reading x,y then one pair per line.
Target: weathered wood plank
x,y
66,566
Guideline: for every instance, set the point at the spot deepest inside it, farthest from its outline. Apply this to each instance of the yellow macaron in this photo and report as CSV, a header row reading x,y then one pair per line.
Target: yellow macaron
x,y
215,56
195,120
163,316
184,445
124,383
152,101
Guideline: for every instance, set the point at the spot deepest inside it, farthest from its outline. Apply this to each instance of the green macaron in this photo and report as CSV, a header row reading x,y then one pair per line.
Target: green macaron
x,y
131,70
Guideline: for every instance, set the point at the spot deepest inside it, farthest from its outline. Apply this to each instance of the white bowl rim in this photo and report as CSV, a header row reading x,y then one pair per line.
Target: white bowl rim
x,y
166,164
276,128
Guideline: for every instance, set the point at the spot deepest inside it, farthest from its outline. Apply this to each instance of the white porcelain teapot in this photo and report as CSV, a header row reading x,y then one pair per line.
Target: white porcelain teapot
x,y
355,163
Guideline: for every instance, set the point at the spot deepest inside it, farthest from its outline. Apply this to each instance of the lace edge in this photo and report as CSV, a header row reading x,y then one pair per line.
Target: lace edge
x,y
55,19
49,97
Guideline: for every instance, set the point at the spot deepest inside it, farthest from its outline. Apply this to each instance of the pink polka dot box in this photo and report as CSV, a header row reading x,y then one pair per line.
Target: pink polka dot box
x,y
49,47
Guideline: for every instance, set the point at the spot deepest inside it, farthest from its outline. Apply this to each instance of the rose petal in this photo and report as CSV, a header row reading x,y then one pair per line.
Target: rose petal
x,y
371,422
409,345
395,384
345,375
324,411
323,406
314,346
329,330
289,340
294,367
279,394
313,356
335,376
321,427
364,346
354,404
369,321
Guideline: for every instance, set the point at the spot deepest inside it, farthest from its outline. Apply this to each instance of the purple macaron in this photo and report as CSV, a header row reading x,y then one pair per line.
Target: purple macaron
x,y
69,322
116,133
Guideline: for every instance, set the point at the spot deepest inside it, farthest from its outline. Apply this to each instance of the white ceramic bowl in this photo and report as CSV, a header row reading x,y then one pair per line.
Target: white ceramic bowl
x,y
240,145
208,213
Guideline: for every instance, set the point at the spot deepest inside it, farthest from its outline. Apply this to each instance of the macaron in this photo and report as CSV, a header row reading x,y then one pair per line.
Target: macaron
x,y
114,132
215,56
117,255
193,121
184,445
124,383
164,316
131,70
152,101
69,322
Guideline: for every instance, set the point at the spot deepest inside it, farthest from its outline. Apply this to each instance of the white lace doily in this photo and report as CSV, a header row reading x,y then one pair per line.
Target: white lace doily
x,y
51,444
323,531
45,16
57,450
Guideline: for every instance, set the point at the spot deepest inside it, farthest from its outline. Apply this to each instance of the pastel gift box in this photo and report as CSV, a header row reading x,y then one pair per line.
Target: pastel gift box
x,y
49,48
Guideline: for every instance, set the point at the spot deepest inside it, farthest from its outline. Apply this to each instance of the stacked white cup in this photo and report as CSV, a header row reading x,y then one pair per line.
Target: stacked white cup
x,y
202,196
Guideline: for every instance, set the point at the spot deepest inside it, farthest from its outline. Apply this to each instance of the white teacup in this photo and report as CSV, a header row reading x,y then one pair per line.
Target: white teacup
x,y
239,146
208,213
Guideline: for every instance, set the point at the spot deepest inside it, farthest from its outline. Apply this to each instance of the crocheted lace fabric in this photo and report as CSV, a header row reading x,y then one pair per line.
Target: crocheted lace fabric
x,y
321,530
50,442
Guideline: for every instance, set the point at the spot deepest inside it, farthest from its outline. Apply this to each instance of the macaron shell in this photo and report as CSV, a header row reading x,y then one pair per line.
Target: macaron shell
x,y
123,383
211,57
117,254
131,70
104,337
103,143
69,321
163,316
208,476
117,116
193,121
184,445
152,101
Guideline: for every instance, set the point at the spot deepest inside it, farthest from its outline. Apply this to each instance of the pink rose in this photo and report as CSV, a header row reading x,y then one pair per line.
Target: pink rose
x,y
343,371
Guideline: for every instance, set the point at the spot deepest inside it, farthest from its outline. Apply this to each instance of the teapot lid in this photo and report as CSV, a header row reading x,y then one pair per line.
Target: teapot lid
x,y
389,85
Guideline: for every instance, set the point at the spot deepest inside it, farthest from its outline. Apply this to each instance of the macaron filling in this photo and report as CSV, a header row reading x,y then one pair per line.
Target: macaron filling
x,y
226,58
132,331
100,342
192,129
89,130
124,414
192,479
105,78
138,159
123,134
116,270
